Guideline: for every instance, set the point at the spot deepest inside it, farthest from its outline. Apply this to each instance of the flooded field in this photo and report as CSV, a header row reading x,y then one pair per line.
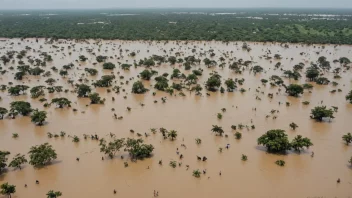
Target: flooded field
x,y
191,115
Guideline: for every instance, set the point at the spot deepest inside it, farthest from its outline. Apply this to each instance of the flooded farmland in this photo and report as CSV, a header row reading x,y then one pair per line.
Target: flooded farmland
x,y
191,115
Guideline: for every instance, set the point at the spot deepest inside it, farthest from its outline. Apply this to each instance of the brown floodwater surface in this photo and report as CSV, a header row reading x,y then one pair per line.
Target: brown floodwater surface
x,y
191,116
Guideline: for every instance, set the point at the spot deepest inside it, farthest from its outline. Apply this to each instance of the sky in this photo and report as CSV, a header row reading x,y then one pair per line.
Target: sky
x,y
93,4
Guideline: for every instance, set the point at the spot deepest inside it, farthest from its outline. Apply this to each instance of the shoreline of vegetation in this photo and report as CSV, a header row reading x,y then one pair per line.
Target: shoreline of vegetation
x,y
283,26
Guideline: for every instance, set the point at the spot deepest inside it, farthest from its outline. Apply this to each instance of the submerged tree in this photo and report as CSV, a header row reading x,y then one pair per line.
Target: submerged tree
x,y
213,83
196,173
61,102
38,117
293,126
172,134
112,147
3,112
347,138
3,159
294,90
230,84
298,143
41,155
17,161
320,112
20,107
275,141
95,98
83,90
137,149
349,96
53,194
138,88
7,189
217,129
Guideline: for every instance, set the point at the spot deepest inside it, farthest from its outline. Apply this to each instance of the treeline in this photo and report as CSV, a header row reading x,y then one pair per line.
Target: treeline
x,y
175,26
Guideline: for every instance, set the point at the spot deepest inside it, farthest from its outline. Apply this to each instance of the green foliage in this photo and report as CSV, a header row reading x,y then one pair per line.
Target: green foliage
x,y
17,161
238,135
298,143
16,90
213,83
95,98
320,112
53,194
137,149
91,71
173,164
257,69
41,155
172,134
105,81
101,58
294,90
196,173
3,159
20,107
312,73
322,81
112,147
37,91
109,65
61,102
83,90
349,96
161,84
138,88
38,117
146,74
217,129
230,84
347,138
275,141
244,157
280,162
3,112
7,189
293,125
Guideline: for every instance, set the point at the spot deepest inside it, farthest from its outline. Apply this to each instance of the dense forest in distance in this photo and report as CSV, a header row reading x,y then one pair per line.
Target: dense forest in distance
x,y
264,25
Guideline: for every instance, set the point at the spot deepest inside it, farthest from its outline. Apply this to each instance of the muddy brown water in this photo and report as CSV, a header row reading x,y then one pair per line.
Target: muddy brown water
x,y
192,117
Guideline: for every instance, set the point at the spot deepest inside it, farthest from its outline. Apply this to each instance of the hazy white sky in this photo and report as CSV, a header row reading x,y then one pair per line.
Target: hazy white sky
x,y
59,4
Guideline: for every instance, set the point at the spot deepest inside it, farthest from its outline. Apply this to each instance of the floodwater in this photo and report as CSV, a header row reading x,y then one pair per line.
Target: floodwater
x,y
192,117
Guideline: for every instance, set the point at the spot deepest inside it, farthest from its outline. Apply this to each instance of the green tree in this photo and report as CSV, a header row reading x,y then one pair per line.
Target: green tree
x,y
161,84
294,90
293,126
7,189
95,98
257,69
38,117
61,102
349,96
83,90
109,65
347,138
137,149
312,73
138,88
3,111
17,161
172,60
320,112
230,84
53,194
101,58
172,134
41,155
3,159
126,66
37,91
213,83
112,147
217,129
105,81
275,141
196,173
146,74
298,143
21,107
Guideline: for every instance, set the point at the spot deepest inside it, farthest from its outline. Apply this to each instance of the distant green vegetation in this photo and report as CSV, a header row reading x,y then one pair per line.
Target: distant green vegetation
x,y
265,25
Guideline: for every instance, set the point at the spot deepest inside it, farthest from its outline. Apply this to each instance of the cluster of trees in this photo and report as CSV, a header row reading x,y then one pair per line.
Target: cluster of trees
x,y
134,147
277,141
39,156
8,189
242,26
